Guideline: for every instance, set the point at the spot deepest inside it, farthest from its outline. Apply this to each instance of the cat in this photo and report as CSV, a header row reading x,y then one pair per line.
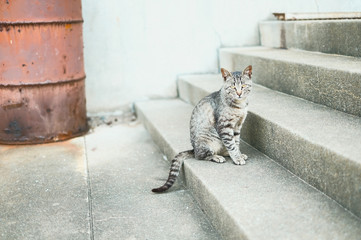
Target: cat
x,y
216,123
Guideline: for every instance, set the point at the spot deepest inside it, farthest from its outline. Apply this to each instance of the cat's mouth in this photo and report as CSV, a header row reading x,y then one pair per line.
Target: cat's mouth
x,y
243,94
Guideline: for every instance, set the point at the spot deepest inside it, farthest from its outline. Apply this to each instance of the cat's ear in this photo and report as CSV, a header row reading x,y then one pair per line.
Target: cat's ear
x,y
225,74
248,71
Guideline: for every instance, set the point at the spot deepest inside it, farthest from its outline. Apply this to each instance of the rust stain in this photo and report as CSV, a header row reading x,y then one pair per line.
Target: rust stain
x,y
12,106
14,128
43,49
39,11
75,148
68,26
5,148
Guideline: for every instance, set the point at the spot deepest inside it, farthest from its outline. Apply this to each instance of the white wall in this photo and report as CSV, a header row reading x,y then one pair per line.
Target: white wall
x,y
134,49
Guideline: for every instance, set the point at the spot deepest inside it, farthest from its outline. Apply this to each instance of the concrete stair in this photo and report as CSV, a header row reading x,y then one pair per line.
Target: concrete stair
x,y
314,142
302,135
328,36
260,200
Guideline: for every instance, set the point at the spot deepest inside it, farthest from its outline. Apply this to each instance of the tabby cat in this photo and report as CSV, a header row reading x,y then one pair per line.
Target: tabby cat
x,y
216,123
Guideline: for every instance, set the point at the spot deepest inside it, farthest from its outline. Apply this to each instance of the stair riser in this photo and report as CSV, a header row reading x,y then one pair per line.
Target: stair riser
x,y
332,36
340,90
319,167
190,93
305,159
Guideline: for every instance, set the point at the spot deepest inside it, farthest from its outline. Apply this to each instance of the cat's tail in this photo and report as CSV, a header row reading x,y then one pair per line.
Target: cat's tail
x,y
174,170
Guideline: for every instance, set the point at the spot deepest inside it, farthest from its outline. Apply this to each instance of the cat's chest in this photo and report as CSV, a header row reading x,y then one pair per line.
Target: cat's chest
x,y
239,111
234,115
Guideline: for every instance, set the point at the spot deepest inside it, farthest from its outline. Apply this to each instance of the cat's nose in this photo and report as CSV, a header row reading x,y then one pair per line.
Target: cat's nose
x,y
239,93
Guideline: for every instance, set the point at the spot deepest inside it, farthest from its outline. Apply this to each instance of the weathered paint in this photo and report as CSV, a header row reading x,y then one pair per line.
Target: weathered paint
x,y
20,11
41,71
41,53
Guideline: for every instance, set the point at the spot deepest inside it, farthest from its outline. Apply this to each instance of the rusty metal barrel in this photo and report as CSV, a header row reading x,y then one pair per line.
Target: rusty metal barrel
x,y
42,78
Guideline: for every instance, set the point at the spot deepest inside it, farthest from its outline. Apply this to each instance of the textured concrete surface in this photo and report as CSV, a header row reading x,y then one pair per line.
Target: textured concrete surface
x,y
327,36
319,144
95,187
331,80
260,200
44,192
192,88
124,165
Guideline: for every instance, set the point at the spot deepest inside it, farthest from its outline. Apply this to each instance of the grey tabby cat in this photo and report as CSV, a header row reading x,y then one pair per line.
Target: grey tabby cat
x,y
216,123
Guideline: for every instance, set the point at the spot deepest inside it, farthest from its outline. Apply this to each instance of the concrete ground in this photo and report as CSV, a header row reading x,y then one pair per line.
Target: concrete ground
x,y
94,187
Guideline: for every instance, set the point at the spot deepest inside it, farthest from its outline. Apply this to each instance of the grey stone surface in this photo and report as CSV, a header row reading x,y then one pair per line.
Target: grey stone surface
x,y
95,187
331,80
328,36
43,191
260,200
319,144
124,165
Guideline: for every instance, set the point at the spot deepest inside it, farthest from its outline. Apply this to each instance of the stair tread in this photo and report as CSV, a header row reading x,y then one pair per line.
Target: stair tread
x,y
258,200
124,164
324,60
321,125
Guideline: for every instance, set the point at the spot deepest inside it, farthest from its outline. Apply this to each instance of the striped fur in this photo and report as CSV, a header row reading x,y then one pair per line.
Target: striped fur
x,y
216,123
174,170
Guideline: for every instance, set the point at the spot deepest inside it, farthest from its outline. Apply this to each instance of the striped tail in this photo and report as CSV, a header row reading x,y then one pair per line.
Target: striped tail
x,y
174,170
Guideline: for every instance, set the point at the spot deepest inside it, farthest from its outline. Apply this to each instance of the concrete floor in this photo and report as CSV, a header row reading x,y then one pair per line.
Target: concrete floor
x,y
94,187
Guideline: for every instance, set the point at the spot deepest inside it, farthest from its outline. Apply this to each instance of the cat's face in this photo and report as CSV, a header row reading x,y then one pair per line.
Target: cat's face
x,y
238,84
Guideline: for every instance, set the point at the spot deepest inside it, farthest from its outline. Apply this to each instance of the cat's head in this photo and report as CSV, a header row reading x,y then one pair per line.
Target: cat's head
x,y
238,84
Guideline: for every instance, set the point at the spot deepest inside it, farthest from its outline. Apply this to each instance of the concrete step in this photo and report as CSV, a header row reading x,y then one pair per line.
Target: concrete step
x,y
331,80
124,165
318,144
328,36
259,200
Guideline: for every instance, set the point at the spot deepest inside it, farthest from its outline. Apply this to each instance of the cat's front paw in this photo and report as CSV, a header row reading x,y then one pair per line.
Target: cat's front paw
x,y
241,160
244,156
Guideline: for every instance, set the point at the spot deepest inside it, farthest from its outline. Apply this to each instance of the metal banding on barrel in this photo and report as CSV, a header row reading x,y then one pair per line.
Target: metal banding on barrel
x,y
42,79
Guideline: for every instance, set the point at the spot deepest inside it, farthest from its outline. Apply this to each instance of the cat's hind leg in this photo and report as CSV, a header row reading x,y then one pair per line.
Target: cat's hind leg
x,y
216,158
206,152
